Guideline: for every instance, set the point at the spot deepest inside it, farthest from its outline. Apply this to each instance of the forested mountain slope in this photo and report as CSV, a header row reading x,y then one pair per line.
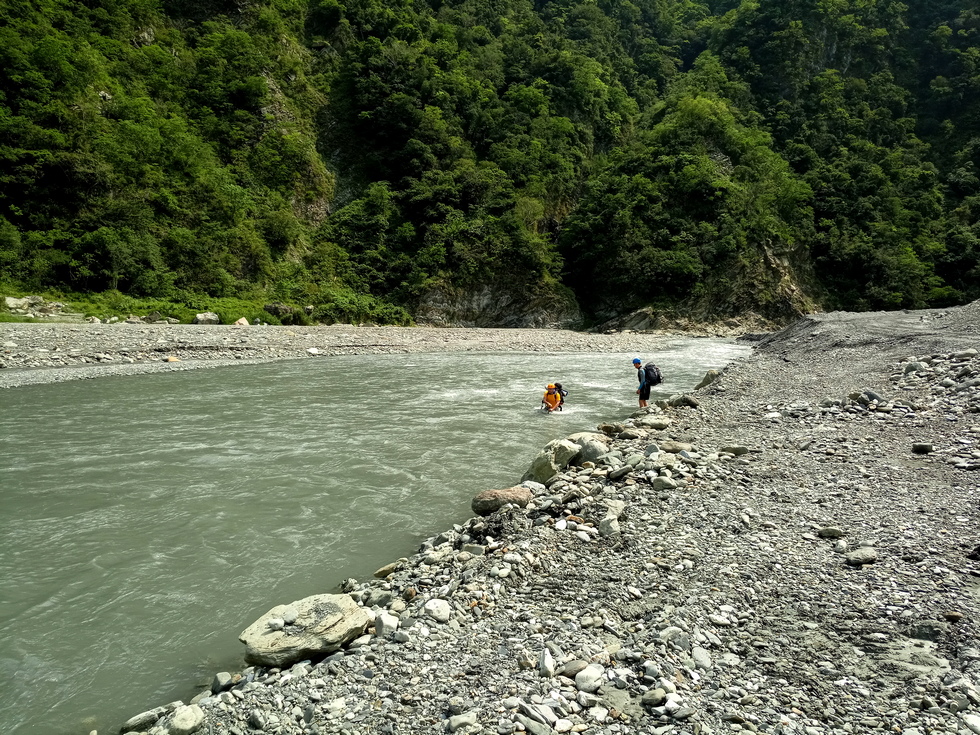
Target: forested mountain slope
x,y
494,161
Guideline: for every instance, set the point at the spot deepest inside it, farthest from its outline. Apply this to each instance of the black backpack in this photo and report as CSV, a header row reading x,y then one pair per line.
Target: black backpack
x,y
561,394
653,376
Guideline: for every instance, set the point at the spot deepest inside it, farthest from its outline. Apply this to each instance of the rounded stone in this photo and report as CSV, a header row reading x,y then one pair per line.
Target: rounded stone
x,y
438,610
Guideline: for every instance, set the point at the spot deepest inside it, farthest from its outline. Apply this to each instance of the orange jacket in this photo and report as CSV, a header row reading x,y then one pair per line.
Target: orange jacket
x,y
551,399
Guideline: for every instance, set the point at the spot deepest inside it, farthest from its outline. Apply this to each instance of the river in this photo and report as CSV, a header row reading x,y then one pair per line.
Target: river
x,y
148,520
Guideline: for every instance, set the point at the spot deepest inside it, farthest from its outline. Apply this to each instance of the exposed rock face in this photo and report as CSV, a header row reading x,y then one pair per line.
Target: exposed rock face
x,y
490,501
649,319
497,305
320,625
768,286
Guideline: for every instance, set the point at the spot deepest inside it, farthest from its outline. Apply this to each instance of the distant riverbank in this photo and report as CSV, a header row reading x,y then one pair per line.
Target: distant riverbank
x,y
32,353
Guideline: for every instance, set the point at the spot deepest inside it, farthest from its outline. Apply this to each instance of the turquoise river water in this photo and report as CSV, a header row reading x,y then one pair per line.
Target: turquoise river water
x,y
148,520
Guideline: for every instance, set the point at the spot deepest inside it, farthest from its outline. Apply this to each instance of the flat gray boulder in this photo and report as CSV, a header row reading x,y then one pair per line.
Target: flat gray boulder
x,y
861,556
675,447
652,421
321,625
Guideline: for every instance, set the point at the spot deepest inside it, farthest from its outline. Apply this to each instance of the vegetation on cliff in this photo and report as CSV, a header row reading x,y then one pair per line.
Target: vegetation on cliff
x,y
357,155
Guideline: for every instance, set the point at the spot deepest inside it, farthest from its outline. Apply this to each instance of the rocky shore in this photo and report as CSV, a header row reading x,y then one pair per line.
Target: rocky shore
x,y
793,548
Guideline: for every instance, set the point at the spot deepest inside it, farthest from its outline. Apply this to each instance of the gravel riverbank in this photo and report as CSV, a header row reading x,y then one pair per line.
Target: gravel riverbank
x,y
33,353
793,550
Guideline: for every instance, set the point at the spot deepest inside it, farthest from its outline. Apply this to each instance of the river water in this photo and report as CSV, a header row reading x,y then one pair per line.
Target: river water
x,y
148,520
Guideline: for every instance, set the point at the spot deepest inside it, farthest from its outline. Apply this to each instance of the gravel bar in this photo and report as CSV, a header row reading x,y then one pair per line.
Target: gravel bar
x,y
33,353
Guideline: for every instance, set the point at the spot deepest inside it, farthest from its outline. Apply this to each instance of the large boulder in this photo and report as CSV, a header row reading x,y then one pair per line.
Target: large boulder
x,y
591,446
313,626
709,377
206,317
553,459
490,501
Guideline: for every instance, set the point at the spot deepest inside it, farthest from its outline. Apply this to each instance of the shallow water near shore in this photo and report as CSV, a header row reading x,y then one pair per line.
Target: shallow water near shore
x,y
148,520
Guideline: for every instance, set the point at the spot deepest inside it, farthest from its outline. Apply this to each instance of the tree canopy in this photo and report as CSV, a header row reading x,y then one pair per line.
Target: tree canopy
x,y
354,155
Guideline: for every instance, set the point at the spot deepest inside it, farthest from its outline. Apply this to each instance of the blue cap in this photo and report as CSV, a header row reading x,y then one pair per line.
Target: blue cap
x,y
637,361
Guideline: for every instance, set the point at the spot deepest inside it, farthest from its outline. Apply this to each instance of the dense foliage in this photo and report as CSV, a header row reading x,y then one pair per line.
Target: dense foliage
x,y
354,155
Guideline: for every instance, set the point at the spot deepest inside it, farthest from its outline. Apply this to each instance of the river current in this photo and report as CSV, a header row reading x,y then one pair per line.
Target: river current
x,y
148,520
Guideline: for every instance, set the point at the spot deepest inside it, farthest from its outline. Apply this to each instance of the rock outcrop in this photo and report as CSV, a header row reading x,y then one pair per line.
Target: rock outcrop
x,y
498,305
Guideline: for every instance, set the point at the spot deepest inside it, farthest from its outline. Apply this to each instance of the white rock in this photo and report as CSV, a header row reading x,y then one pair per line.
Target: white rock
x,y
546,664
186,720
458,722
702,659
385,625
972,722
590,678
438,610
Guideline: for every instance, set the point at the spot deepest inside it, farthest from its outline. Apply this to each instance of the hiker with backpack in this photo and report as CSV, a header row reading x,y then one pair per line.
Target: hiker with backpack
x,y
553,398
649,376
551,401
